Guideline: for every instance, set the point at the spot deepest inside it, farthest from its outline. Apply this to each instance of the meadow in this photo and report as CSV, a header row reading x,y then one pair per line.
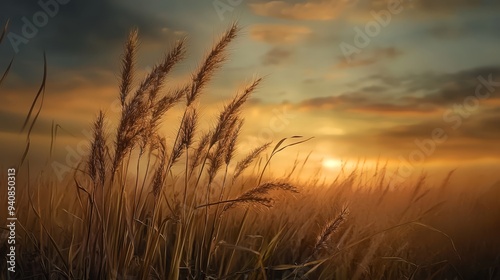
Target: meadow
x,y
141,207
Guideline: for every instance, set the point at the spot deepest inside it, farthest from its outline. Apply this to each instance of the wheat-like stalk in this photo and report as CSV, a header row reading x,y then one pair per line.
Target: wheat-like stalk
x,y
247,160
222,152
98,148
212,62
152,83
128,63
186,135
159,175
196,156
188,128
231,111
135,112
233,137
4,31
328,230
258,194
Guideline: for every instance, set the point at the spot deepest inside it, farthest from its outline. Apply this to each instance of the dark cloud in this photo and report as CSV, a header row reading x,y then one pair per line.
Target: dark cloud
x,y
254,101
85,27
82,35
486,127
42,126
368,57
452,5
423,8
374,89
311,80
476,138
367,100
384,79
322,10
391,109
15,122
333,101
446,31
276,56
447,89
418,94
476,127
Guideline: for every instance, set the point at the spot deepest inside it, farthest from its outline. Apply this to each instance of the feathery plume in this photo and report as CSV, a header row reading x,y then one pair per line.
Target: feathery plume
x,y
128,63
135,113
257,195
244,163
196,157
212,62
159,175
328,230
231,111
97,160
232,142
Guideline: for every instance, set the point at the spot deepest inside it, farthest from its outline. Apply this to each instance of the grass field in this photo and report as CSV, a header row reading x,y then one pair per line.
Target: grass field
x,y
141,207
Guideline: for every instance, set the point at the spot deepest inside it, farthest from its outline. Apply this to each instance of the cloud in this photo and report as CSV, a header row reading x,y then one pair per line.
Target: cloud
x,y
324,10
476,138
308,10
276,56
446,31
476,127
382,78
86,27
83,33
368,58
418,115
83,43
279,34
366,104
447,89
450,5
425,94
330,102
395,109
486,128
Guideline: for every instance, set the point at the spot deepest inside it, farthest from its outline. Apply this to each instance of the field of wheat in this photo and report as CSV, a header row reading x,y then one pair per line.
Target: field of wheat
x,y
141,207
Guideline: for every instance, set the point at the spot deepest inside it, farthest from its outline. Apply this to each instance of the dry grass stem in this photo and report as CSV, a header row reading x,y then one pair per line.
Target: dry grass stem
x,y
212,62
257,195
98,150
245,162
328,230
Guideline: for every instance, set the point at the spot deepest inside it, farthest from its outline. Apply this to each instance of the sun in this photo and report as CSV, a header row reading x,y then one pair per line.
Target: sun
x,y
332,163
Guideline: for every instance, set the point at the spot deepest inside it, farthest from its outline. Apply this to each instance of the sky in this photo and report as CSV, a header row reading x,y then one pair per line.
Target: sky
x,y
414,83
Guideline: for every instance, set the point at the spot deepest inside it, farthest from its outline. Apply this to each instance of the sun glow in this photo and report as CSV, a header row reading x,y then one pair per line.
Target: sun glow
x,y
332,163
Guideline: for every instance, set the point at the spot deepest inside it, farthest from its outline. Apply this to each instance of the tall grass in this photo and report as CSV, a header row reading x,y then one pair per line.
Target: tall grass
x,y
6,71
185,214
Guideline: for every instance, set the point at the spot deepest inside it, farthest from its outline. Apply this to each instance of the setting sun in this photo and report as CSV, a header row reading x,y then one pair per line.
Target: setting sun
x,y
332,163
